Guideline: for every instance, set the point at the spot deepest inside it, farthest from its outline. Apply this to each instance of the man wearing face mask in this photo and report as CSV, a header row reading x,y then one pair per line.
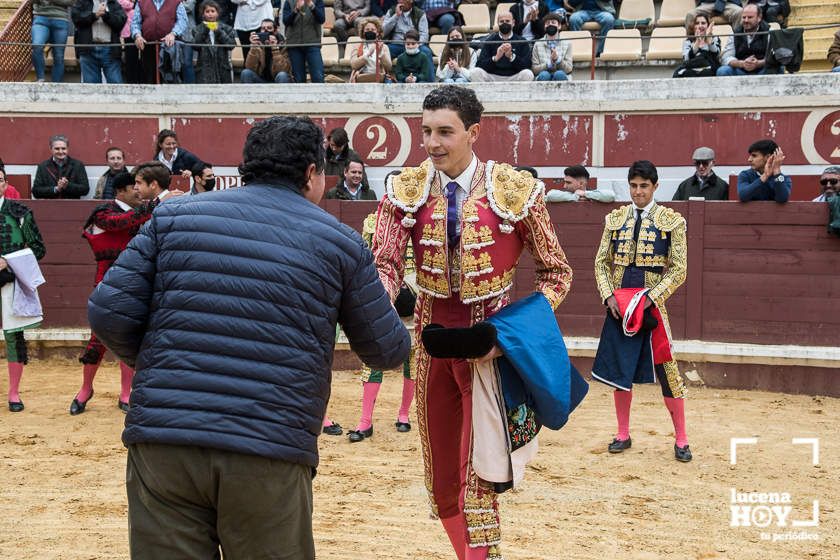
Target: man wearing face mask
x,y
505,56
528,18
551,57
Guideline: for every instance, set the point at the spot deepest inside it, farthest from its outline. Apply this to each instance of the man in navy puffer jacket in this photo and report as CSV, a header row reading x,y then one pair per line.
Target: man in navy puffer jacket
x,y
227,304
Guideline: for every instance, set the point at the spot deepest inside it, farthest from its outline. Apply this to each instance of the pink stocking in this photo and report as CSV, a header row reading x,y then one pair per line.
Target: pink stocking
x,y
327,422
456,530
479,553
407,397
369,393
15,373
126,375
88,373
677,409
622,401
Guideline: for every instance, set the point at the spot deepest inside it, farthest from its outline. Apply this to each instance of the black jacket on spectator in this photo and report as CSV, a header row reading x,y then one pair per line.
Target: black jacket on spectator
x,y
48,174
83,13
518,11
227,304
505,66
338,192
712,188
184,160
757,48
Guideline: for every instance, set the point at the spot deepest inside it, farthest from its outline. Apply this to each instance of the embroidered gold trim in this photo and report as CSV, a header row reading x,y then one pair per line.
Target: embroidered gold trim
x,y
511,193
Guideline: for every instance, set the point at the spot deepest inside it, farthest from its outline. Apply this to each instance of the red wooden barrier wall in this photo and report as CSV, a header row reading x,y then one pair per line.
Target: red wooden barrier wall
x,y
757,273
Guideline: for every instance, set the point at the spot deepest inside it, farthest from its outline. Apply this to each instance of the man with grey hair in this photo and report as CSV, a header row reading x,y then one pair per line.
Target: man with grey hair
x,y
829,183
704,183
60,176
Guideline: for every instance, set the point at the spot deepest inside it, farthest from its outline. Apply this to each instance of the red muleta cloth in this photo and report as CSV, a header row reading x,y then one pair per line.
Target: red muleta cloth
x,y
631,305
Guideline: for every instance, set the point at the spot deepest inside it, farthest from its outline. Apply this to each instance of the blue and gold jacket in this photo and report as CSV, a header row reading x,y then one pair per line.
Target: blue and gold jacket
x,y
660,252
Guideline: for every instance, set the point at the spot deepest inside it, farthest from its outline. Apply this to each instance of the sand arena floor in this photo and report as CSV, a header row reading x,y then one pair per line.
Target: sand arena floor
x,y
62,494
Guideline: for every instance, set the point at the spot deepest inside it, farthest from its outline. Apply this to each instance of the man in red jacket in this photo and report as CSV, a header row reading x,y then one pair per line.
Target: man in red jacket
x,y
108,230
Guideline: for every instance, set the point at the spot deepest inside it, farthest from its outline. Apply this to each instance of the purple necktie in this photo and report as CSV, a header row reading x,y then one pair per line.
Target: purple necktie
x,y
452,214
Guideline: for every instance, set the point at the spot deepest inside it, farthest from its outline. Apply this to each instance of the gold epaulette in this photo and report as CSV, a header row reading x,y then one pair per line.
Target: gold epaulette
x,y
511,193
410,189
615,219
667,219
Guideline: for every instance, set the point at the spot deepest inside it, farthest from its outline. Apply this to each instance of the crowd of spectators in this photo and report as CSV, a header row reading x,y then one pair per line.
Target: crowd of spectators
x,y
64,177
196,39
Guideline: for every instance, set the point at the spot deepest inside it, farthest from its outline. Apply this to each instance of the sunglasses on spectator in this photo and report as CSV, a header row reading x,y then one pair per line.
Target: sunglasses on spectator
x,y
827,182
702,162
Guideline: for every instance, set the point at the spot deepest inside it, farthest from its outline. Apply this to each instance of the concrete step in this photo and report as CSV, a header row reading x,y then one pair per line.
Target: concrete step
x,y
828,11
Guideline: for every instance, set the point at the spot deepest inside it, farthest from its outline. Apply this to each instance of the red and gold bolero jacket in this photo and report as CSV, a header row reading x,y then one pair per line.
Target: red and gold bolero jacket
x,y
503,213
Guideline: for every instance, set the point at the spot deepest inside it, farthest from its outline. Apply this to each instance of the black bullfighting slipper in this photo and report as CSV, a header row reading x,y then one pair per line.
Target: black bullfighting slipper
x,y
617,445
355,436
77,406
682,454
402,426
122,406
333,429
15,406
464,343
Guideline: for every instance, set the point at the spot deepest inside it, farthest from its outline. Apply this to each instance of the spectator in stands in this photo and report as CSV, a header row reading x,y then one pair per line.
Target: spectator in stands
x,y
250,15
505,56
412,66
338,152
829,183
600,11
156,21
370,61
728,9
442,14
303,27
576,187
115,158
11,192
551,58
379,8
834,52
98,22
744,54
701,50
167,151
351,186
60,176
204,179
131,71
187,51
50,25
267,45
347,15
764,180
528,19
704,183
399,20
773,11
213,66
457,59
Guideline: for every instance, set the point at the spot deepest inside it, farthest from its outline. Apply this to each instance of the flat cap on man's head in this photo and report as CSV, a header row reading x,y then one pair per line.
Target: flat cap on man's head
x,y
703,154
832,170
